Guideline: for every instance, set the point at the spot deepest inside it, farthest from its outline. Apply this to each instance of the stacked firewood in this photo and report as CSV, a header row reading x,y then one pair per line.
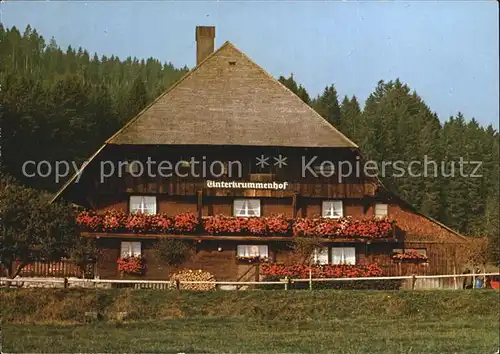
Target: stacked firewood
x,y
193,275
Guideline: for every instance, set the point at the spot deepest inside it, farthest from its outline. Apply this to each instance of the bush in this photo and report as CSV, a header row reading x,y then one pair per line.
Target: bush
x,y
173,252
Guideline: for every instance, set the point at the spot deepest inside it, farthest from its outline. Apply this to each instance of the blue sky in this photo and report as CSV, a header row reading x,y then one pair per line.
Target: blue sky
x,y
447,51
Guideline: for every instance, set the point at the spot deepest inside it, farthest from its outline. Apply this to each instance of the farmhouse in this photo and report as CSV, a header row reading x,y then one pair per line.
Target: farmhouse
x,y
232,162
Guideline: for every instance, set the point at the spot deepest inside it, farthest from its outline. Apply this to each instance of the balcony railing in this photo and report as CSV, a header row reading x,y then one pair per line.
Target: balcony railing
x,y
273,226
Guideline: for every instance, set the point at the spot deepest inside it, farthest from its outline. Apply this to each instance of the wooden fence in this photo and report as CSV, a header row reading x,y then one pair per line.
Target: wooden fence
x,y
61,269
285,283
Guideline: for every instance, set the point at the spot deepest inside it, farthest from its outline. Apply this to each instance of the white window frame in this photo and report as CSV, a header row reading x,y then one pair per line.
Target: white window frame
x,y
332,207
318,255
130,248
261,251
385,210
246,208
345,255
143,201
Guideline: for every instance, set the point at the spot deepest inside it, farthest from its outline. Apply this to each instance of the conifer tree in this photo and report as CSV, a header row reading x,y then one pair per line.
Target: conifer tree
x,y
352,124
327,105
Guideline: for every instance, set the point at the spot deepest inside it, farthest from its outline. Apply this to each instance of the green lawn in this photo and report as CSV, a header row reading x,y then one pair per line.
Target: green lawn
x,y
252,322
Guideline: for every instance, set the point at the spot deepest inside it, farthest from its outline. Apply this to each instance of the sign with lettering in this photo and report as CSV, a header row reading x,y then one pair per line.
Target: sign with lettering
x,y
247,185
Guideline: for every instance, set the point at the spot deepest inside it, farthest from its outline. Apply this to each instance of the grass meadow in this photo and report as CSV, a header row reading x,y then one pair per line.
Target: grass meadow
x,y
323,321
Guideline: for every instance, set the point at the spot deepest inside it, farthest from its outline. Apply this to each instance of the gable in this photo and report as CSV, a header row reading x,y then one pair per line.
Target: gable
x,y
230,100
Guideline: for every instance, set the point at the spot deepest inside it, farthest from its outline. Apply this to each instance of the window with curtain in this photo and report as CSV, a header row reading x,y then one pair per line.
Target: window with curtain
x,y
130,249
246,207
142,204
343,255
252,251
332,209
320,256
381,210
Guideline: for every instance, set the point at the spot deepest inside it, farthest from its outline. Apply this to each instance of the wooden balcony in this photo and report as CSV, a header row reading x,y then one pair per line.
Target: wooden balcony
x,y
276,228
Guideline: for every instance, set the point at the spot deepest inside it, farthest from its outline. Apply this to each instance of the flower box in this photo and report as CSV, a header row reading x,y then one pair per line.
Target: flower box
x,y
409,257
252,259
344,227
131,266
276,225
321,271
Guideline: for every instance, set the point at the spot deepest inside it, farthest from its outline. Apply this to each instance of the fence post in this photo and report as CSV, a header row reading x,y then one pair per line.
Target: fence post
x,y
455,281
286,283
413,281
310,279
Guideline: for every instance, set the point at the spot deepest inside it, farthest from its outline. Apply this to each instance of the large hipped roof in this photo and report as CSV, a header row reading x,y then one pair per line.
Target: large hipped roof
x,y
229,100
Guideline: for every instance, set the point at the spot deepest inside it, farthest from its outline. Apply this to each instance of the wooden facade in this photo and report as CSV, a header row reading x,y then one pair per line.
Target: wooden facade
x,y
439,246
225,114
301,200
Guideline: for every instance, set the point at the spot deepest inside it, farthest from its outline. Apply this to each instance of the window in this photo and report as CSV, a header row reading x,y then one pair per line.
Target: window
x,y
343,255
142,204
252,251
246,207
130,249
320,256
332,209
381,210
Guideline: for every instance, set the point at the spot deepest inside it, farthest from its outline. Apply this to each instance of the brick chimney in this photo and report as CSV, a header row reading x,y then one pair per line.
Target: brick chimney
x,y
205,42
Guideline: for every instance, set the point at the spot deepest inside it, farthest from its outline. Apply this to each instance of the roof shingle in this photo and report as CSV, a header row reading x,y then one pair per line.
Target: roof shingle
x,y
230,100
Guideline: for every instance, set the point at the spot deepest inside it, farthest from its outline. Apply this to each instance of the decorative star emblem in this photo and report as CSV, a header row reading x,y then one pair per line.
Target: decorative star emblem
x,y
262,161
280,161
